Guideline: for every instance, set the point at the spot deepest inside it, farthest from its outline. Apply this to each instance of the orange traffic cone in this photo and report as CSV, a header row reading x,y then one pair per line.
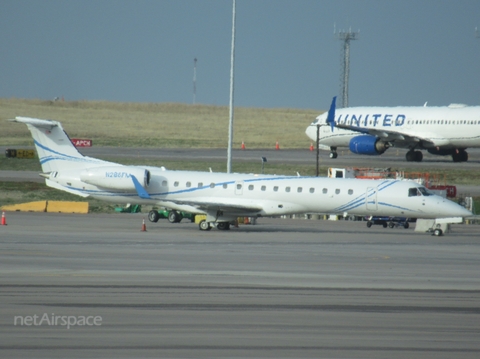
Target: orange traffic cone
x,y
144,227
277,146
311,146
4,220
243,145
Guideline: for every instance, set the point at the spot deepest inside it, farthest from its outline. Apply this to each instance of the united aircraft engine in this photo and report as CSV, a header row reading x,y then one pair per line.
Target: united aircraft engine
x,y
368,145
116,178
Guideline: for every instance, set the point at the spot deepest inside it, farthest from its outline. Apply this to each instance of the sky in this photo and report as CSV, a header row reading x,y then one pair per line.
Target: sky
x,y
286,55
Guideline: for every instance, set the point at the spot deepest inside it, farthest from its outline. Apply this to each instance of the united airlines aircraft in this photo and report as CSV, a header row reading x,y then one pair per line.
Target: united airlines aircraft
x,y
372,130
223,197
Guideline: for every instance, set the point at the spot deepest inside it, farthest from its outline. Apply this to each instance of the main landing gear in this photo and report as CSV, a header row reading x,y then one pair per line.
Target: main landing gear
x,y
414,156
460,156
206,226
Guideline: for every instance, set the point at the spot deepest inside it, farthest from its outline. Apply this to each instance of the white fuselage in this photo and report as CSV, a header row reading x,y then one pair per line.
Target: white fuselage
x,y
447,127
270,195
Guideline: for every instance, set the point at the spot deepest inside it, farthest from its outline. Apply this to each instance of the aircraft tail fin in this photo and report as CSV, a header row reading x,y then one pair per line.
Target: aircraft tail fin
x,y
54,148
331,114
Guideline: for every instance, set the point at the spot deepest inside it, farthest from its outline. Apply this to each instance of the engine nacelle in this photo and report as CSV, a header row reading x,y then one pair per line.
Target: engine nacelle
x,y
118,177
368,145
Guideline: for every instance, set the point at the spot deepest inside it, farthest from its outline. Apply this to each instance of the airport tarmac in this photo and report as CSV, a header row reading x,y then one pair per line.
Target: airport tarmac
x,y
284,288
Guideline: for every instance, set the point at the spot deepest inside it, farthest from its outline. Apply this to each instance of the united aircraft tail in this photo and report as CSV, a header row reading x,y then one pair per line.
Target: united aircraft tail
x,y
55,149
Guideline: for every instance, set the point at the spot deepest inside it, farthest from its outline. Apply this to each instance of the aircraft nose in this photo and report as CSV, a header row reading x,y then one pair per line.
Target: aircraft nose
x,y
452,209
311,132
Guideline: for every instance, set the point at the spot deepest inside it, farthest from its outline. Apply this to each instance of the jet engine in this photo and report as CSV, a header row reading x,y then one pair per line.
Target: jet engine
x,y
368,145
118,177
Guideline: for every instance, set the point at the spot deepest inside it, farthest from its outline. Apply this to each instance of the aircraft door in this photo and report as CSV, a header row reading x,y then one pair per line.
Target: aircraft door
x,y
371,199
239,188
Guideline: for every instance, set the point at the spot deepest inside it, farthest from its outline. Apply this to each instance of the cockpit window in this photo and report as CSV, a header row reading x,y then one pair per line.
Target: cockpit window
x,y
412,192
425,191
418,191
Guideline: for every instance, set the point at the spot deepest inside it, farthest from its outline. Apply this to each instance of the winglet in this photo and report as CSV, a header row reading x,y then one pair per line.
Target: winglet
x,y
140,190
331,114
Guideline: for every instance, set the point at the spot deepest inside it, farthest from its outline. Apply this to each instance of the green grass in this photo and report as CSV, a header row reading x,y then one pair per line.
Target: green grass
x,y
160,125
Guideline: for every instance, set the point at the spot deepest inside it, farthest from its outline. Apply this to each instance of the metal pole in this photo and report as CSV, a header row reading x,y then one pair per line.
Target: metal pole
x,y
194,80
318,148
230,126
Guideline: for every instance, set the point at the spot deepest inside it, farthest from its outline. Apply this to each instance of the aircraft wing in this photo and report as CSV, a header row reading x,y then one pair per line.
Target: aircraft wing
x,y
214,206
429,139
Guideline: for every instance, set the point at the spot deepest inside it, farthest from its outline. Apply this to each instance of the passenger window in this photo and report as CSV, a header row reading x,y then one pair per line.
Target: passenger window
x,y
275,189
239,186
176,184
337,191
200,184
212,185
299,189
287,189
250,187
312,190
189,184
225,185
325,190
164,183
350,191
264,188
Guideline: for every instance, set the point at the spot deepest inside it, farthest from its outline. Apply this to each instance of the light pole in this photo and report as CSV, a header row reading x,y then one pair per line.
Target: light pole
x,y
264,159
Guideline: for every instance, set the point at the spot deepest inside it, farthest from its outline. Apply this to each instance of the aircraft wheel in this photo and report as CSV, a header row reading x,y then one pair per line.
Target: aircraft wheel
x,y
437,232
410,156
391,224
333,155
385,225
418,156
153,216
204,225
406,225
223,226
369,224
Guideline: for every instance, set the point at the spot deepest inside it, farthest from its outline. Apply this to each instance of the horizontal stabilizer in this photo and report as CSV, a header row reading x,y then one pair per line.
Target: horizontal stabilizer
x,y
36,122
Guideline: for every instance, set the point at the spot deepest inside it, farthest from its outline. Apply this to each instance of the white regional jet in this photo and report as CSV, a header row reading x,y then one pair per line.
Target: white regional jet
x,y
221,196
372,130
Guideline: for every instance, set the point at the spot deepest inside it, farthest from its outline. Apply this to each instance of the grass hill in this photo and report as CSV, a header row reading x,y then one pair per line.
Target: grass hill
x,y
167,125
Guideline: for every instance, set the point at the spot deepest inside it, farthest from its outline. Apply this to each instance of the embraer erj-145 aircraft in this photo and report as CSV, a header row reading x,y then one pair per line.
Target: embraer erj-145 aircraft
x,y
372,130
221,196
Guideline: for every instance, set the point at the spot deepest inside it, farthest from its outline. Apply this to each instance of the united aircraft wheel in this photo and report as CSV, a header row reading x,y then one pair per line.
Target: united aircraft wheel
x,y
385,225
410,156
204,225
153,216
369,224
406,225
418,156
173,217
333,155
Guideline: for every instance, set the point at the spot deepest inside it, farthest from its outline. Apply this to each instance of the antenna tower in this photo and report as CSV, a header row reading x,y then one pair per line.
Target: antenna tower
x,y
346,37
194,80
